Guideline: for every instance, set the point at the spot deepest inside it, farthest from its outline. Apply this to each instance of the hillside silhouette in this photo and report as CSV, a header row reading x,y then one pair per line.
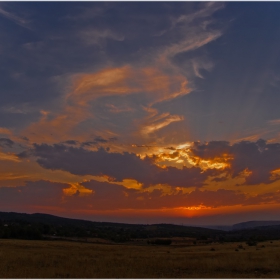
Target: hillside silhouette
x,y
45,226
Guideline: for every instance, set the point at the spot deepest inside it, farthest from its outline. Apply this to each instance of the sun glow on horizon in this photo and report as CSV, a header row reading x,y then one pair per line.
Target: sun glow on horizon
x,y
194,208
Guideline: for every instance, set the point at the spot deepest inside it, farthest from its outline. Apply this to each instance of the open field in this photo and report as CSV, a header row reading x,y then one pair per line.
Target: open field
x,y
64,259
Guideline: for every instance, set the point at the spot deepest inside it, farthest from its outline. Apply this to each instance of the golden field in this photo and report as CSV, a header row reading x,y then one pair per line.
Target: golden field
x,y
65,259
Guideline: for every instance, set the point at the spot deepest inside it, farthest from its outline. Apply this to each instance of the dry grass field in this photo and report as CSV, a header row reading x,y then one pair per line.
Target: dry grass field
x,y
64,259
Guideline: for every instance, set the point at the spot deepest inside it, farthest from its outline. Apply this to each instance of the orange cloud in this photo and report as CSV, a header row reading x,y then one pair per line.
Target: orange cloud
x,y
254,160
9,156
274,122
16,173
103,196
5,131
159,122
150,82
127,80
112,81
114,109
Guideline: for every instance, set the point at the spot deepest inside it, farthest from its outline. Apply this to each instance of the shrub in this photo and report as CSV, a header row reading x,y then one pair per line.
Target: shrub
x,y
251,243
160,242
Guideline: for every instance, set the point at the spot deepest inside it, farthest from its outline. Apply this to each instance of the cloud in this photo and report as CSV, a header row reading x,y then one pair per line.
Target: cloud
x,y
257,160
135,66
120,109
9,156
97,37
157,122
87,12
200,63
125,80
100,139
71,142
11,16
5,131
152,84
211,150
274,122
115,166
44,193
192,43
206,11
103,196
185,177
191,36
6,142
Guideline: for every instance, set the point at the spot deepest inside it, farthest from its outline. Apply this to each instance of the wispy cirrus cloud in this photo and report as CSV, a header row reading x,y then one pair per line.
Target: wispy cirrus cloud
x,y
274,122
189,44
155,121
149,77
93,36
13,17
151,83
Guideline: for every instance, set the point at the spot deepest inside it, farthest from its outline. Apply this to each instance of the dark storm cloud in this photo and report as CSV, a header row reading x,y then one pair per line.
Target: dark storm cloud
x,y
117,166
259,158
5,142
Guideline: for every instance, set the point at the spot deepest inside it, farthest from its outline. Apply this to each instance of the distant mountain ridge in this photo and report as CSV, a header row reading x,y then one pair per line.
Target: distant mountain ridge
x,y
50,224
254,224
244,225
56,220
38,226
52,219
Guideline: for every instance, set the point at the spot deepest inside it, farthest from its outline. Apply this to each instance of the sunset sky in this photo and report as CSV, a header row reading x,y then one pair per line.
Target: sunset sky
x,y
141,112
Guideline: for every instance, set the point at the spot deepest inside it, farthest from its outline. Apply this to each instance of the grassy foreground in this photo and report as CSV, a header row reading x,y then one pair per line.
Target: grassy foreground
x,y
64,259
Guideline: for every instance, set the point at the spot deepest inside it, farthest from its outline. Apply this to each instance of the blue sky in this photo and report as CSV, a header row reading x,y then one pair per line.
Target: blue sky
x,y
146,101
